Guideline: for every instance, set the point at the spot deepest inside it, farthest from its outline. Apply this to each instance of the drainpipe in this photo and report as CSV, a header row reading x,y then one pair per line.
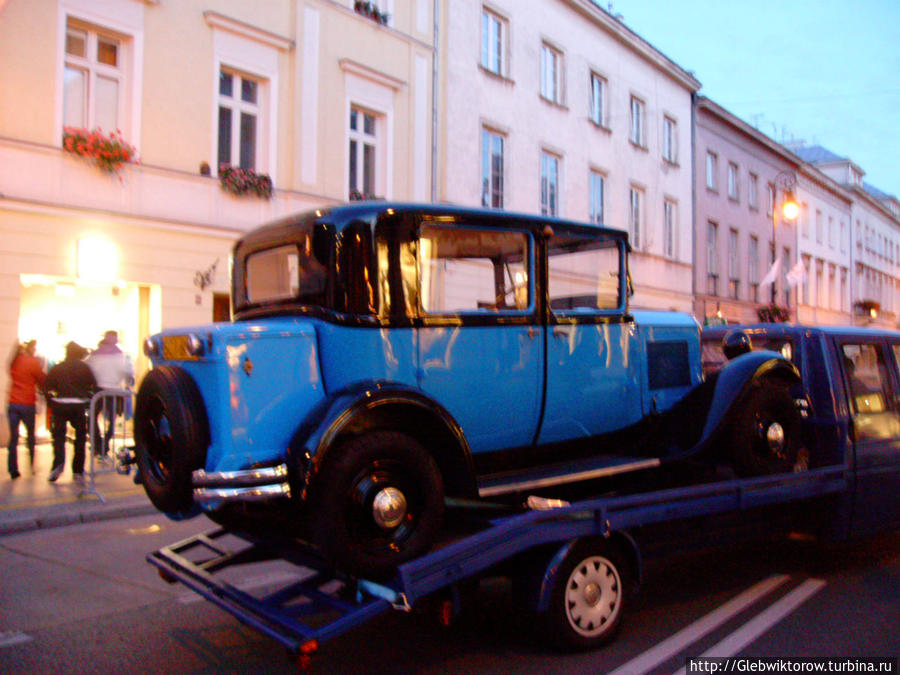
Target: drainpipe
x,y
694,302
434,102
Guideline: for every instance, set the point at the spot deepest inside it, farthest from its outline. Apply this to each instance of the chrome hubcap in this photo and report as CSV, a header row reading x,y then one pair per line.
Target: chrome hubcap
x,y
775,438
389,508
593,596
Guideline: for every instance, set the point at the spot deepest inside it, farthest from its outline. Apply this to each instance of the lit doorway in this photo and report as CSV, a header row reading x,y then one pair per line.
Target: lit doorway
x,y
55,310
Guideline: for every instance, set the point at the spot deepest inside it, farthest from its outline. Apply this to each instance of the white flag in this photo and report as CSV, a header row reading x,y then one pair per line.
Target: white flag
x,y
796,275
772,274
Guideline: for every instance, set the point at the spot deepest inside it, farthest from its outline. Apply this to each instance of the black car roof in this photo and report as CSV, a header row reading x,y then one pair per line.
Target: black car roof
x,y
341,216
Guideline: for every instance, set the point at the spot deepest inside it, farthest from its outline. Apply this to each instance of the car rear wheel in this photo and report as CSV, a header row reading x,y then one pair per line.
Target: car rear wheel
x,y
171,436
379,501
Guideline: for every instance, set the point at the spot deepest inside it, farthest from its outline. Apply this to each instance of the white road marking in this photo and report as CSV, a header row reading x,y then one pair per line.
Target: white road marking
x,y
246,585
690,634
763,621
8,638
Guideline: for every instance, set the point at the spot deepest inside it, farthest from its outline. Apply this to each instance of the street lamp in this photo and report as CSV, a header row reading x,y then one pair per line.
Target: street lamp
x,y
785,181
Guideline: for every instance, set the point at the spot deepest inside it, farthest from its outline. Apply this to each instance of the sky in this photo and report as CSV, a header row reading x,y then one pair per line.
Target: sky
x,y
822,71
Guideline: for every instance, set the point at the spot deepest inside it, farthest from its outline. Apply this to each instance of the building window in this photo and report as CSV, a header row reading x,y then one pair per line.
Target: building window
x,y
753,191
806,262
819,284
549,184
734,276
670,223
753,268
832,286
832,233
785,270
712,258
820,227
712,171
733,181
598,188
239,114
670,140
93,84
551,74
770,200
493,42
637,135
635,217
598,100
363,152
844,241
804,220
491,169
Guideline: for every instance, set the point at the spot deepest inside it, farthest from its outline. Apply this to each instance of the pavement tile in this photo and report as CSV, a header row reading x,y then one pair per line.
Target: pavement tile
x,y
31,502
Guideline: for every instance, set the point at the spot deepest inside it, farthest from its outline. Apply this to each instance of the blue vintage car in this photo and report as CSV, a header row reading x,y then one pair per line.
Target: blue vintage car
x,y
386,357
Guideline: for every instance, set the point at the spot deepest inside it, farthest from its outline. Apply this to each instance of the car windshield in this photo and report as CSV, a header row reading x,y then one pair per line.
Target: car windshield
x,y
286,272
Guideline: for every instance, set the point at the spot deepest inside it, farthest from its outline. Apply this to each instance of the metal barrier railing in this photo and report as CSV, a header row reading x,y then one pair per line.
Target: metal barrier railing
x,y
113,406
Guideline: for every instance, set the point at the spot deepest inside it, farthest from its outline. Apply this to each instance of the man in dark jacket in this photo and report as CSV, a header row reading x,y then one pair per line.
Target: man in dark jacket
x,y
69,387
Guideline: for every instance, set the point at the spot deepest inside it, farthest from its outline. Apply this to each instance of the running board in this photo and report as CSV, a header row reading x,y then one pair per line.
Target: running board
x,y
596,467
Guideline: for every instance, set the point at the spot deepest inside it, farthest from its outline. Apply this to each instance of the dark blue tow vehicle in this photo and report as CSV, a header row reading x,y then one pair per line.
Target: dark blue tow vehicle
x,y
418,395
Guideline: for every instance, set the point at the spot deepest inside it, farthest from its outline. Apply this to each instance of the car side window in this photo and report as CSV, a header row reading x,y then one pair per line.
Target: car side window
x,y
584,274
463,270
866,370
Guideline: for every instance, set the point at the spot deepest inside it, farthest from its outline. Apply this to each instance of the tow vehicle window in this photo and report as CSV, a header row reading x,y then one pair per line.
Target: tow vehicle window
x,y
867,377
465,270
585,274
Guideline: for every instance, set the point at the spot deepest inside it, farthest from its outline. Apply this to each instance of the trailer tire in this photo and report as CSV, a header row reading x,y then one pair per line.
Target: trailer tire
x,y
588,598
171,436
378,502
764,434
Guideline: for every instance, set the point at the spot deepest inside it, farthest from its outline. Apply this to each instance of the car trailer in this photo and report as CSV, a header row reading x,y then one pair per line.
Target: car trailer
x,y
324,603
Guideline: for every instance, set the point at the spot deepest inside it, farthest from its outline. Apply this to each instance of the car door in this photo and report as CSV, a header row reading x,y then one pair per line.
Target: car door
x,y
871,380
480,344
593,381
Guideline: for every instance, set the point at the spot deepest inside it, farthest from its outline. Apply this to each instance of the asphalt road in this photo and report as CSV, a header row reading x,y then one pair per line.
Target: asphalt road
x,y
82,599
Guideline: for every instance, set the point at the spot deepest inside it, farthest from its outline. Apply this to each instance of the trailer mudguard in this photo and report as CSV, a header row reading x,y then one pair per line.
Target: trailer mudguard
x,y
737,377
368,404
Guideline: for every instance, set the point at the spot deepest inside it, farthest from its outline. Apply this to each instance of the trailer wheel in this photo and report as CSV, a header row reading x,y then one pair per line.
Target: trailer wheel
x,y
764,436
588,598
379,501
171,436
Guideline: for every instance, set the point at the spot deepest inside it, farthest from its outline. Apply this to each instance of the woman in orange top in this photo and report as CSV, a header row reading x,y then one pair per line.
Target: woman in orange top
x,y
26,374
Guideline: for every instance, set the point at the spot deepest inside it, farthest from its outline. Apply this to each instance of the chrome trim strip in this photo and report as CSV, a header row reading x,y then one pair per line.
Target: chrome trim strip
x,y
566,478
246,477
260,493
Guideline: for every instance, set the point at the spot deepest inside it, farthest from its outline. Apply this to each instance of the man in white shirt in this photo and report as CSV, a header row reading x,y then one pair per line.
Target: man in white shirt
x,y
113,370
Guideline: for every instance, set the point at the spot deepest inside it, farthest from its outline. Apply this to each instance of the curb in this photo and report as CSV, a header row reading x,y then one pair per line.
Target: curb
x,y
46,519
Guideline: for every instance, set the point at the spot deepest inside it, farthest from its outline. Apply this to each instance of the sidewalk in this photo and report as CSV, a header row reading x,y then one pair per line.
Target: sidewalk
x,y
31,502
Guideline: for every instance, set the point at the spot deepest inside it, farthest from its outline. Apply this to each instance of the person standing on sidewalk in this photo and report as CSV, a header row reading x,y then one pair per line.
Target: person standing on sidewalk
x,y
26,374
113,370
69,387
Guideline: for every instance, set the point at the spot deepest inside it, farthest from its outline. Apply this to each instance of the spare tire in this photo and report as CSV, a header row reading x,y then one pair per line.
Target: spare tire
x,y
171,433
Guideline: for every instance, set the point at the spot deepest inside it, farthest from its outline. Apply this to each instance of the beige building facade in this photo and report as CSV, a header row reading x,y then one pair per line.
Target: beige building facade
x,y
326,98
743,179
557,108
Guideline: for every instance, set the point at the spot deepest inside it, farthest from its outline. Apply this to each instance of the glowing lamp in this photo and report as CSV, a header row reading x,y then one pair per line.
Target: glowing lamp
x,y
98,259
790,209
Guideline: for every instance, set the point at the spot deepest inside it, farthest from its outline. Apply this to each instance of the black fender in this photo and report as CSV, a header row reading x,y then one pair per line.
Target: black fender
x,y
736,378
375,404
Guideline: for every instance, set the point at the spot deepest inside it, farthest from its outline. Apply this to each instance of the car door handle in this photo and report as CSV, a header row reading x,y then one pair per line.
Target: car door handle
x,y
562,331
